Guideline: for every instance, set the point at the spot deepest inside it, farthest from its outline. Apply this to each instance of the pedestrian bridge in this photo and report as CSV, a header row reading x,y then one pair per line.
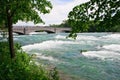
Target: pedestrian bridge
x,y
26,30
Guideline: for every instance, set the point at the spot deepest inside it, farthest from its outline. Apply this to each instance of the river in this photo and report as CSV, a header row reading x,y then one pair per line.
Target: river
x,y
92,56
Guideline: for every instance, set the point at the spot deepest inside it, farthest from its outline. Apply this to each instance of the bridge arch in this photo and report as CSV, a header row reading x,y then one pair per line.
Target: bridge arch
x,y
48,31
20,33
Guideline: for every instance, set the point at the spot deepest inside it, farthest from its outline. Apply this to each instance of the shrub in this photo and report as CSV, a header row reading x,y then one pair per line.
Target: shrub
x,y
22,67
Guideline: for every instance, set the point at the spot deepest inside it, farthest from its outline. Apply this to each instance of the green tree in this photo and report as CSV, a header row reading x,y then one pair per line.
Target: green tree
x,y
78,19
107,12
104,13
64,24
26,10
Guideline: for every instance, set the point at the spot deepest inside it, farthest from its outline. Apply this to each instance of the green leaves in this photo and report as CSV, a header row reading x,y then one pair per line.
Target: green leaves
x,y
78,19
105,11
25,10
22,67
104,14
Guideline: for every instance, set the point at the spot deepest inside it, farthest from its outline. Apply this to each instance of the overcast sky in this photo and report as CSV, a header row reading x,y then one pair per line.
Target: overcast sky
x,y
60,11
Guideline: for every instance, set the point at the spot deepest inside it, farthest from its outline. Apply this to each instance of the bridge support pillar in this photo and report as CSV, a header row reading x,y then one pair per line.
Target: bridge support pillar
x,y
24,31
55,30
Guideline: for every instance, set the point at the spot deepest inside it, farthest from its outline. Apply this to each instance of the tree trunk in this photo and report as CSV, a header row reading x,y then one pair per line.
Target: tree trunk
x,y
10,30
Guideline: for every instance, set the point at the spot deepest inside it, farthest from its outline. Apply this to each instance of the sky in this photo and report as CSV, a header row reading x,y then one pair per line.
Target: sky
x,y
59,12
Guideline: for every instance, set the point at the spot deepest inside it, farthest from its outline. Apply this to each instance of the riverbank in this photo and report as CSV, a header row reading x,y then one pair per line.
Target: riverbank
x,y
22,67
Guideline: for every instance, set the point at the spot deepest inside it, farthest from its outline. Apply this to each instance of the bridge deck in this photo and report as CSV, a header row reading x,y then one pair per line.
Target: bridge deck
x,y
27,30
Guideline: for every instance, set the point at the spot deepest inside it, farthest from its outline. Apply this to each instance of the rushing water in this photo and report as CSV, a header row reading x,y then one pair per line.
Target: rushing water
x,y
100,59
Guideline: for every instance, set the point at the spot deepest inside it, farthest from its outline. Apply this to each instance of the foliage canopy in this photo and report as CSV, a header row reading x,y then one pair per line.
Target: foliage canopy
x,y
104,14
26,10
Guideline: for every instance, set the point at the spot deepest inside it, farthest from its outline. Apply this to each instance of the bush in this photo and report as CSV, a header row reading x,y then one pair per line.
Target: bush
x,y
22,67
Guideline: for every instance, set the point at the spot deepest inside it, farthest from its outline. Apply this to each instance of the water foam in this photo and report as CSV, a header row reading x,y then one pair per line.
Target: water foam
x,y
49,58
102,54
0,35
81,37
112,36
60,37
34,33
47,45
113,47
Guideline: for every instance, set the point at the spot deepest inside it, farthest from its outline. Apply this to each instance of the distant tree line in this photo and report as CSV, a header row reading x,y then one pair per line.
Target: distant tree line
x,y
63,24
95,27
91,27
